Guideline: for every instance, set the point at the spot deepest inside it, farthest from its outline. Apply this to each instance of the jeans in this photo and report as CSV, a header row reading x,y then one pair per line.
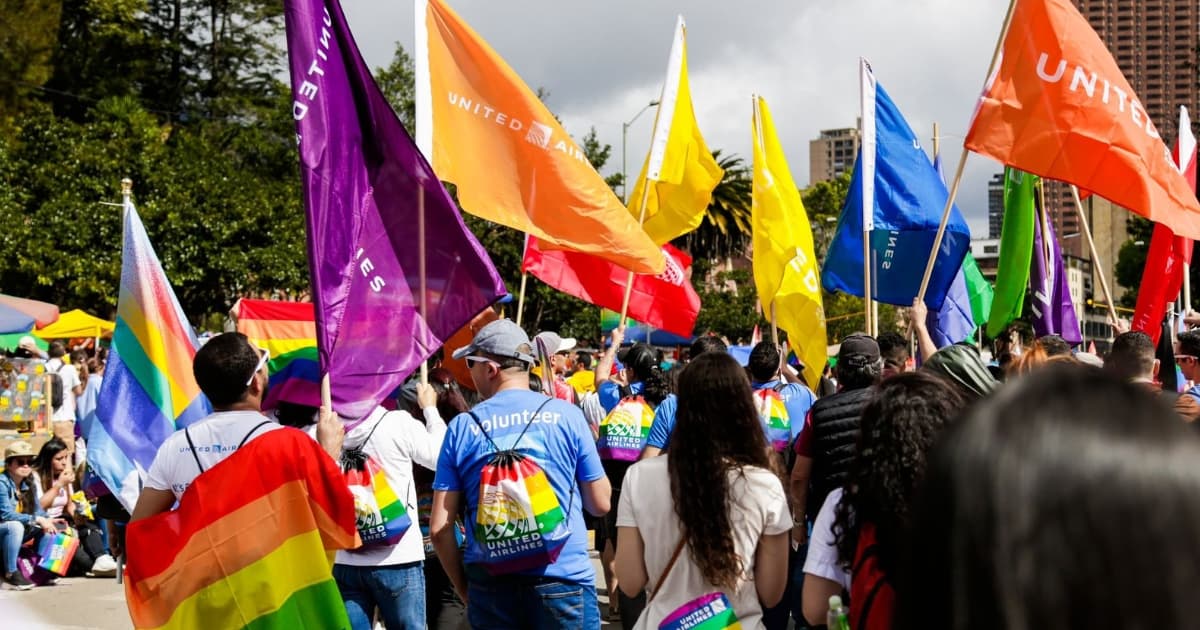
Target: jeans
x,y
531,602
11,535
398,590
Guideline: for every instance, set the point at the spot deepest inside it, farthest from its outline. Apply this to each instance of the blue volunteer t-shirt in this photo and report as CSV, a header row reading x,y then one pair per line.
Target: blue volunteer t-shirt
x,y
559,441
1194,392
609,393
797,398
664,423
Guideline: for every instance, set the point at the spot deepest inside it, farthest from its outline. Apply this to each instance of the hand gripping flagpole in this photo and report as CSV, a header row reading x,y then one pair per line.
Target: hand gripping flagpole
x,y
962,160
1087,233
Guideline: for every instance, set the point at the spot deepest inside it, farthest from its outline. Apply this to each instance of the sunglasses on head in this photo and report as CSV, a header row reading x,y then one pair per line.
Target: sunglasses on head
x,y
262,360
472,360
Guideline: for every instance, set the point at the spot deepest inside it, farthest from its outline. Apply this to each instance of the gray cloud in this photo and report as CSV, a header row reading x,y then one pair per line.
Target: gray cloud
x,y
602,62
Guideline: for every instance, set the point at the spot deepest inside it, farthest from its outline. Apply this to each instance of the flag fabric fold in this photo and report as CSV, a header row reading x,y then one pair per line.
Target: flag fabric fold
x,y
247,545
484,130
1016,250
1058,106
148,390
288,331
368,190
1053,313
967,302
895,200
680,170
667,301
785,262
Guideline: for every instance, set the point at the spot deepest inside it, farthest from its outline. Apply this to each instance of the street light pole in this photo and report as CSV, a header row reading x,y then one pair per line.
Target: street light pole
x,y
624,139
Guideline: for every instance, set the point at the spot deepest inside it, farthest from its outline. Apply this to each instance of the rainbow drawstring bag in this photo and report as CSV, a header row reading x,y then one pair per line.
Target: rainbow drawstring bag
x,y
710,612
625,429
774,416
380,515
519,523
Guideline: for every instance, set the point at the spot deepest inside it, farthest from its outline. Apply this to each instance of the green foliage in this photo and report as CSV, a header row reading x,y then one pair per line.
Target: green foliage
x,y
733,314
823,202
397,82
1131,258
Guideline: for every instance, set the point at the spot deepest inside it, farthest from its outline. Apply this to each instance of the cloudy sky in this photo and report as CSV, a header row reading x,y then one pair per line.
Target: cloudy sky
x,y
604,61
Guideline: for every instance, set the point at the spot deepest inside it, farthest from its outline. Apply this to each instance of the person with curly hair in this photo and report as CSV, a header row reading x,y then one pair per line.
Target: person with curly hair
x,y
718,541
862,526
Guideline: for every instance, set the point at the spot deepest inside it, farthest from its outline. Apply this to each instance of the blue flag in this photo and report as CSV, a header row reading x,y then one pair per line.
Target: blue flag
x,y
955,321
896,200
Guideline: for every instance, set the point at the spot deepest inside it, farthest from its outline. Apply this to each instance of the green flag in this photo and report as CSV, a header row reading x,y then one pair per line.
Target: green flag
x,y
1016,251
978,290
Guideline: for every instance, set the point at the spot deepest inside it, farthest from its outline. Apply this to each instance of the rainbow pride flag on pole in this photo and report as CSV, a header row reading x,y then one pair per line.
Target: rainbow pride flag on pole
x,y
288,330
247,547
148,389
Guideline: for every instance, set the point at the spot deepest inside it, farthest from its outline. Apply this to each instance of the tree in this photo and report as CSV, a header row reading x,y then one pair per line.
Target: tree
x,y
398,84
1131,258
823,202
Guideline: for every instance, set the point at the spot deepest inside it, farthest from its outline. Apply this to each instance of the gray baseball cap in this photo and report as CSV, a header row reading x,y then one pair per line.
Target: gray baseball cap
x,y
501,338
555,343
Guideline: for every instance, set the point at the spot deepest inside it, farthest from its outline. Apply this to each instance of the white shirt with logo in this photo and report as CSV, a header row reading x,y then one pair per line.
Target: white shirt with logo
x,y
215,437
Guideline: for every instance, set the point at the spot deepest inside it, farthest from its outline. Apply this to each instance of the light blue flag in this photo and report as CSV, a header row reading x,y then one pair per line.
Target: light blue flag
x,y
896,198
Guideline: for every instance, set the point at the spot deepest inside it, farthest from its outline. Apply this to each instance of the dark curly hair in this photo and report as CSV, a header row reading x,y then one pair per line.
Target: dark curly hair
x,y
717,430
642,362
898,428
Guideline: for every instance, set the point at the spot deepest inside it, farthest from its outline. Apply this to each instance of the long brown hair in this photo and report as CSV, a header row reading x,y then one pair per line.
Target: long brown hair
x,y
717,430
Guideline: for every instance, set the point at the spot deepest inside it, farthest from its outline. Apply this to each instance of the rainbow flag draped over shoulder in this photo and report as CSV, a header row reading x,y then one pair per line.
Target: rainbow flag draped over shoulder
x,y
247,546
148,389
288,330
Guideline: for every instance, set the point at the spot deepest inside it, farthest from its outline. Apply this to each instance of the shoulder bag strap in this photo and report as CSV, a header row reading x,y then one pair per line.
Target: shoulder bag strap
x,y
667,571
256,428
188,434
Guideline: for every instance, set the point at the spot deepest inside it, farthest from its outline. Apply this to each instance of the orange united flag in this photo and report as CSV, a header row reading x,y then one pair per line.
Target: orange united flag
x,y
483,129
1058,106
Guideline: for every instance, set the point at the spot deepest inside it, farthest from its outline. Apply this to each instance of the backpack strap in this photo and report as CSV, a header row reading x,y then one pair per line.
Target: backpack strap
x,y
247,438
779,386
869,552
188,434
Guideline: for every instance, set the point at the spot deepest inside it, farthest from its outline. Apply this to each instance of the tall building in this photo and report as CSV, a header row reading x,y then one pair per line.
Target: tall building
x,y
831,154
995,205
1154,43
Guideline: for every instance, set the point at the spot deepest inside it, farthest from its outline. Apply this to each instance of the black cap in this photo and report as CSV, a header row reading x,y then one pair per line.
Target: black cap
x,y
858,350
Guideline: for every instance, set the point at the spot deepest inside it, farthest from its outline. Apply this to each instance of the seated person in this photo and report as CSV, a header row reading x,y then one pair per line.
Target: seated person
x,y
54,482
21,518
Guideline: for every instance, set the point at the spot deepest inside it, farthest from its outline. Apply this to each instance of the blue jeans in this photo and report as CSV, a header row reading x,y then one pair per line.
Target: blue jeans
x,y
11,535
398,590
520,601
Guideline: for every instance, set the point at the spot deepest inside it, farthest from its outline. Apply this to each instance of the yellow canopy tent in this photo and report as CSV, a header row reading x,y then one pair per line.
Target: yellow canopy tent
x,y
74,324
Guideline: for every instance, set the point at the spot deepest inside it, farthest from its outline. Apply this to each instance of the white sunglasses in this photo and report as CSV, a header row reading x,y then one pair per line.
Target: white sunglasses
x,y
262,360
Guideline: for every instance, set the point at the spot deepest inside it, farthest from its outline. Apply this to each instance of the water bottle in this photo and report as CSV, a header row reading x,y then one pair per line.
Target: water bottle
x,y
838,617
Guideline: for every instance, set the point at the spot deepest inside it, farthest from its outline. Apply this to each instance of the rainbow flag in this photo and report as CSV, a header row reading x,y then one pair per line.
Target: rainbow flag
x,y
148,389
248,545
288,330
774,415
710,612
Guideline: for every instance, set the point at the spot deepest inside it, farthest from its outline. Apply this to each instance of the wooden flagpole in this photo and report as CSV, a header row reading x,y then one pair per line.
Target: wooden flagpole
x,y
629,280
424,303
521,297
962,160
868,204
1096,264
774,327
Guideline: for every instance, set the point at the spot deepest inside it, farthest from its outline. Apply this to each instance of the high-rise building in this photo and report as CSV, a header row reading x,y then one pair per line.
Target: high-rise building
x,y
831,154
1154,43
995,205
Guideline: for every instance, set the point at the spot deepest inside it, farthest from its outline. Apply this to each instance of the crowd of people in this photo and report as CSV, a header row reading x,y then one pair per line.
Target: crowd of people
x,y
956,495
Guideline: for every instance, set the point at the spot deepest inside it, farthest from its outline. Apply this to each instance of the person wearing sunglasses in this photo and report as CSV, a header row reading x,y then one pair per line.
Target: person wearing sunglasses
x,y
1187,357
21,517
232,374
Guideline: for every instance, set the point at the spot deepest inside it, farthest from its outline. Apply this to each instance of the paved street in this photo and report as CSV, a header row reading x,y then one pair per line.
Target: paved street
x,y
92,604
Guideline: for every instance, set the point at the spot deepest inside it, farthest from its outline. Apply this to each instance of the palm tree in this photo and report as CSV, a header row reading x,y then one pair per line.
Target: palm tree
x,y
725,231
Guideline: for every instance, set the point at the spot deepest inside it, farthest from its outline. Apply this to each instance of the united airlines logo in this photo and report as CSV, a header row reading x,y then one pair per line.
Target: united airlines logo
x,y
539,135
673,272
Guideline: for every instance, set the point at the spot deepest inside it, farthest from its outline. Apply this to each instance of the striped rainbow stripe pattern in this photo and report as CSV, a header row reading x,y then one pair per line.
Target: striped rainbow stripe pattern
x,y
515,501
289,332
247,547
710,612
774,415
148,389
391,509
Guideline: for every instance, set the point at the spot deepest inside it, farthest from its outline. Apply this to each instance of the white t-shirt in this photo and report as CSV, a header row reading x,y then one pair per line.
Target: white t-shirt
x,y
215,437
822,560
70,380
398,442
757,508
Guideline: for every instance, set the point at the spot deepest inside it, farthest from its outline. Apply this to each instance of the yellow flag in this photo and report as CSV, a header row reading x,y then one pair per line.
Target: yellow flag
x,y
483,129
785,264
680,169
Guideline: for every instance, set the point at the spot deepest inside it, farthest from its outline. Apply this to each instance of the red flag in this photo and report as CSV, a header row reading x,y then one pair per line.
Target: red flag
x,y
665,301
1162,277
1058,106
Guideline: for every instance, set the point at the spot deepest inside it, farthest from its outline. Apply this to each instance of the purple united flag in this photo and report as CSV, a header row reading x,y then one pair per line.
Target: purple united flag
x,y
368,191
1053,311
